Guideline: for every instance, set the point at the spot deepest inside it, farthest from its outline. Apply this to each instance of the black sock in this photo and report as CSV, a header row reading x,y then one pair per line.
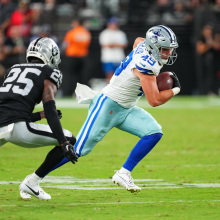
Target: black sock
x,y
52,159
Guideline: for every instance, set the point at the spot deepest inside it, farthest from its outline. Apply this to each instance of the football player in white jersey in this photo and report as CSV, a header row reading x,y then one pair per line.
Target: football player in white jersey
x,y
115,105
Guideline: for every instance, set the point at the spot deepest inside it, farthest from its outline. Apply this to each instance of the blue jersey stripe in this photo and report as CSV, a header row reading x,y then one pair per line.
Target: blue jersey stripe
x,y
143,70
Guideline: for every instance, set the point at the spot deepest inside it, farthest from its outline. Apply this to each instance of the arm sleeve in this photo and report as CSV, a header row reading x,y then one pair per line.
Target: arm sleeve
x,y
35,116
53,121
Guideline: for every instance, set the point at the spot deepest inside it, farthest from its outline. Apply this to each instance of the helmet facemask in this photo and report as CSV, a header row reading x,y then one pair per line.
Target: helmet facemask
x,y
170,58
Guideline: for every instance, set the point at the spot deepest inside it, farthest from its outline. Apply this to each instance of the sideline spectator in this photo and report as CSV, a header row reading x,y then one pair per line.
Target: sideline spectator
x,y
23,18
14,48
205,49
112,41
46,15
2,57
76,45
43,31
6,9
159,12
180,14
216,60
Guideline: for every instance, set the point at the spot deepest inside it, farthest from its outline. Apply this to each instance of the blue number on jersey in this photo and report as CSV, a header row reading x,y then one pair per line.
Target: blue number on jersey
x,y
149,59
124,64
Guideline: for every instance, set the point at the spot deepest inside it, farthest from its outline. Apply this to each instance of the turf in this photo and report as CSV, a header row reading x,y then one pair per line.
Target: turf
x,y
180,178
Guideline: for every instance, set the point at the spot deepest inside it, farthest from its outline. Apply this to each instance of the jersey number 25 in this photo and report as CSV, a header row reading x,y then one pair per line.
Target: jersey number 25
x,y
13,78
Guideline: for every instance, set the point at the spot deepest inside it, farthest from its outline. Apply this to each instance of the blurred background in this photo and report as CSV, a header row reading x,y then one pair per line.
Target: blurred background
x,y
196,24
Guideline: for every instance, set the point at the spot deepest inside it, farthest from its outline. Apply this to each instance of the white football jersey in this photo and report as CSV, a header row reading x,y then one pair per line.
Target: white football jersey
x,y
124,87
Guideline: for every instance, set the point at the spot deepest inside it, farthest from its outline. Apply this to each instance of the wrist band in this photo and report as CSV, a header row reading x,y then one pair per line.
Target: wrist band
x,y
176,90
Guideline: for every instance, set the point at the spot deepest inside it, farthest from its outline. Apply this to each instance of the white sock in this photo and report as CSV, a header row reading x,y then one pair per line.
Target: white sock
x,y
34,178
123,170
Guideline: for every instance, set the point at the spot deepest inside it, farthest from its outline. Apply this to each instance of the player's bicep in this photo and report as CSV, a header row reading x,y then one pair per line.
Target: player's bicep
x,y
148,82
49,91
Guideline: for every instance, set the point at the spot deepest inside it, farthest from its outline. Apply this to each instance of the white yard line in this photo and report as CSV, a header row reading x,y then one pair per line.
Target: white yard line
x,y
72,183
113,203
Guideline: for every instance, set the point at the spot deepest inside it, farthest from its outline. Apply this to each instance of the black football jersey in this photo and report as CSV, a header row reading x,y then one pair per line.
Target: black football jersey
x,y
22,89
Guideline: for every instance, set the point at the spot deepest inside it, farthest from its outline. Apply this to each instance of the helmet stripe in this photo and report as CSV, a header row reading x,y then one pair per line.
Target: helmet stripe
x,y
170,32
36,42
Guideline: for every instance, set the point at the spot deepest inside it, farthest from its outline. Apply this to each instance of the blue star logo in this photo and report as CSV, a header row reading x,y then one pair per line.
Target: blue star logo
x,y
157,33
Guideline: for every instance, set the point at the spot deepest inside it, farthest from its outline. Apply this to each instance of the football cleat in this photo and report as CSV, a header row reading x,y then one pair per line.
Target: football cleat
x,y
125,180
25,195
33,189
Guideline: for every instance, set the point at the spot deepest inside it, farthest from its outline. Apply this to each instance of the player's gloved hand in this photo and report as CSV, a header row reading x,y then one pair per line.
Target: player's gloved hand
x,y
69,152
59,114
176,82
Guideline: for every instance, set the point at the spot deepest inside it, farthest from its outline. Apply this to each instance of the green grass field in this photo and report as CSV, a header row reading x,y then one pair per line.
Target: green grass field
x,y
180,178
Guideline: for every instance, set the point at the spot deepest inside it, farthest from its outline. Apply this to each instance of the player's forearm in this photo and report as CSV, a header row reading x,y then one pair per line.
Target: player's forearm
x,y
160,98
53,121
154,97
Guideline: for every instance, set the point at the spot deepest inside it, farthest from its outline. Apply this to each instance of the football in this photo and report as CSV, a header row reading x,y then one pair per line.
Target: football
x,y
164,81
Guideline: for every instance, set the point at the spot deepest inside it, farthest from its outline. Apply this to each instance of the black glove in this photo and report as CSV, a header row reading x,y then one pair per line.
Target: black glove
x,y
69,152
59,114
176,82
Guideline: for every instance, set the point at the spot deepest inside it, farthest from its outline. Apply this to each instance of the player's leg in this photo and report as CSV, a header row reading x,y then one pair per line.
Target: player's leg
x,y
37,135
143,125
102,116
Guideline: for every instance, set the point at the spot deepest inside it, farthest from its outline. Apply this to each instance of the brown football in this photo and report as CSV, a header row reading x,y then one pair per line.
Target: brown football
x,y
164,81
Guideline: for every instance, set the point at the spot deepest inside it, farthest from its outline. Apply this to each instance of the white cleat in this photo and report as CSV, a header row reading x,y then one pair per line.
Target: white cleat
x,y
25,195
125,180
33,189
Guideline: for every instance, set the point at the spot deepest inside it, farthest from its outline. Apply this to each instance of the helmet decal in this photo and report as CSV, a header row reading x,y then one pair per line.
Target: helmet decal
x,y
54,50
170,32
157,33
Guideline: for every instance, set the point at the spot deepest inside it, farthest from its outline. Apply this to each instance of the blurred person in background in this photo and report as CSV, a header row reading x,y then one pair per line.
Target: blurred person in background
x,y
43,31
2,57
180,14
205,50
23,18
7,7
217,59
159,12
15,47
76,46
46,15
113,41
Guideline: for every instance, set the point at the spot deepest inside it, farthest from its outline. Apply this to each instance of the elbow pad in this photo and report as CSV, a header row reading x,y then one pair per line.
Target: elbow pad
x,y
53,121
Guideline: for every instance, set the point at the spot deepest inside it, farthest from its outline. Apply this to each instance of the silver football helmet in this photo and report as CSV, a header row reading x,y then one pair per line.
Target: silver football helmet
x,y
159,37
46,50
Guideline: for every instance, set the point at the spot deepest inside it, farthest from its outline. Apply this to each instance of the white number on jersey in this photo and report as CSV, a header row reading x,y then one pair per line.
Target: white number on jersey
x,y
57,77
13,77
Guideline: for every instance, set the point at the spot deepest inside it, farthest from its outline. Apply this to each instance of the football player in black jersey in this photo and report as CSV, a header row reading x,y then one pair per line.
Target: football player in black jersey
x,y
24,86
